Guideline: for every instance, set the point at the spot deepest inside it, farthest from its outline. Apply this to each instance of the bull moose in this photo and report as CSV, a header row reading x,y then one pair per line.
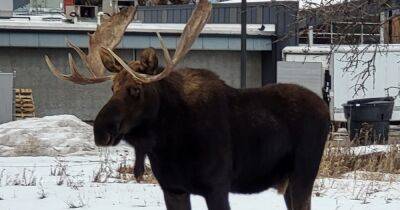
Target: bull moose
x,y
202,136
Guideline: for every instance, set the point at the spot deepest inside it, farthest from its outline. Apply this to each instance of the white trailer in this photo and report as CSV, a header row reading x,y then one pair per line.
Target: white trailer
x,y
337,85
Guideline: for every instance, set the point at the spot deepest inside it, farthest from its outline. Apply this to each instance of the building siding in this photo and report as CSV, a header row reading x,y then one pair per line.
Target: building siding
x,y
53,96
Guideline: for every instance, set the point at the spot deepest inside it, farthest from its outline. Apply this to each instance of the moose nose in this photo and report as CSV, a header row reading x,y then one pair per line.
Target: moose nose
x,y
106,124
102,138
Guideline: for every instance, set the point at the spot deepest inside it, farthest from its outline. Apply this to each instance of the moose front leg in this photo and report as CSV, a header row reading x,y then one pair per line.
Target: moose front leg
x,y
175,201
138,169
143,144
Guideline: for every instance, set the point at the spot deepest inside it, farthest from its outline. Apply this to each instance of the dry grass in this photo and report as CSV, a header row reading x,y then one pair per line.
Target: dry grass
x,y
125,172
26,178
79,202
59,169
339,159
120,169
41,192
103,173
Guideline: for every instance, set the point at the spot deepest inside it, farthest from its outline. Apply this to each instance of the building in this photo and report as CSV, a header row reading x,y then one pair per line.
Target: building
x,y
24,42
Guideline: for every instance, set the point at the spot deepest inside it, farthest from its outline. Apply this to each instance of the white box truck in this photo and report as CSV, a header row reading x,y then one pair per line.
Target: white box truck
x,y
329,80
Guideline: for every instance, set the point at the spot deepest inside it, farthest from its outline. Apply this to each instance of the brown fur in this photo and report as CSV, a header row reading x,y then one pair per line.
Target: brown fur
x,y
281,187
198,85
204,137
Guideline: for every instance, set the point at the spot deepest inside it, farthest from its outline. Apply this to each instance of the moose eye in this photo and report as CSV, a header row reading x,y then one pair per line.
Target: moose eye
x,y
134,91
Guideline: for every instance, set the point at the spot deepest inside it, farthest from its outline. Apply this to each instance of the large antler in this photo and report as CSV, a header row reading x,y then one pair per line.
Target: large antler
x,y
109,35
191,31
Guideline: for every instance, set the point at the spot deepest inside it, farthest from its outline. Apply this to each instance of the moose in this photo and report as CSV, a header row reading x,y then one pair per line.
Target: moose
x,y
202,136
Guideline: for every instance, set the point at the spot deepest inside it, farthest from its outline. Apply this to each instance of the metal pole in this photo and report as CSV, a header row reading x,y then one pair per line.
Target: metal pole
x,y
382,28
362,34
331,32
243,56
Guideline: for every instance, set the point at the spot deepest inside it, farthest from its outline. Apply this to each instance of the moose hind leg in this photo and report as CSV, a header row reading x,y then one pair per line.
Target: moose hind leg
x,y
299,190
307,158
175,201
297,198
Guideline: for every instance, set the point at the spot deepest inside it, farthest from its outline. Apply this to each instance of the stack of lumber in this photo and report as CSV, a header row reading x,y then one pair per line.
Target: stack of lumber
x,y
24,105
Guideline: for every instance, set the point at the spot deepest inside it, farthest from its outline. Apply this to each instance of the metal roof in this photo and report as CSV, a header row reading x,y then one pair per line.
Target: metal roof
x,y
39,23
326,49
52,34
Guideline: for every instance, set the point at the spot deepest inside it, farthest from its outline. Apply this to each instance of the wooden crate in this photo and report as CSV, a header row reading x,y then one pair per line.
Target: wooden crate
x,y
24,104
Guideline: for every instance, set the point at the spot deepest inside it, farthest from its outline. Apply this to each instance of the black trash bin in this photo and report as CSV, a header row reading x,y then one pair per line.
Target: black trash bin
x,y
368,119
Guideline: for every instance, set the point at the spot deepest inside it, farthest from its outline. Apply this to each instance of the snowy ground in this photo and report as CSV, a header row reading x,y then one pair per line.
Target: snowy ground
x,y
54,182
78,189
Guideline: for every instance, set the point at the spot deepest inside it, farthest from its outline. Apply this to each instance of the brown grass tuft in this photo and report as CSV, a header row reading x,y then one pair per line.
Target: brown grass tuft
x,y
340,159
125,172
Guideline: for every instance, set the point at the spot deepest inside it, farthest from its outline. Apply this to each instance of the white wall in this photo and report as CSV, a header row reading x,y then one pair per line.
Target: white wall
x,y
6,7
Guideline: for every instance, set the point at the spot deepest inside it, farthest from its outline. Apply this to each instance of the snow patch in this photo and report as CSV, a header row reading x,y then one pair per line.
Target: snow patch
x,y
364,150
47,136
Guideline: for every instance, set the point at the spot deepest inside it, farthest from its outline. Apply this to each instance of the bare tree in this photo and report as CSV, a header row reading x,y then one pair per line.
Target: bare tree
x,y
161,2
362,25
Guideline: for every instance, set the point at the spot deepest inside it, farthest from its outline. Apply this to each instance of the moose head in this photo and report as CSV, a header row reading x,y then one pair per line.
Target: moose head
x,y
135,98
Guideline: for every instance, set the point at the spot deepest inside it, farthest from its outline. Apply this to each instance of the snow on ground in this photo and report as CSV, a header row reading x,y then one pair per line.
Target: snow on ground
x,y
59,173
365,150
78,189
53,135
47,136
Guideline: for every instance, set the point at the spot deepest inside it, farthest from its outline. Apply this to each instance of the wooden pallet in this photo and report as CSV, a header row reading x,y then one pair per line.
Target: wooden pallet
x,y
24,104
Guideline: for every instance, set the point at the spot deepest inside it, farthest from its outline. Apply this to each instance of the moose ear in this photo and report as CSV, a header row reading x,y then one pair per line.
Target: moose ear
x,y
109,62
149,61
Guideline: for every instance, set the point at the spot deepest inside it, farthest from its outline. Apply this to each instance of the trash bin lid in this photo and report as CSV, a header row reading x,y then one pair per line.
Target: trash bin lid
x,y
379,102
369,100
369,109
